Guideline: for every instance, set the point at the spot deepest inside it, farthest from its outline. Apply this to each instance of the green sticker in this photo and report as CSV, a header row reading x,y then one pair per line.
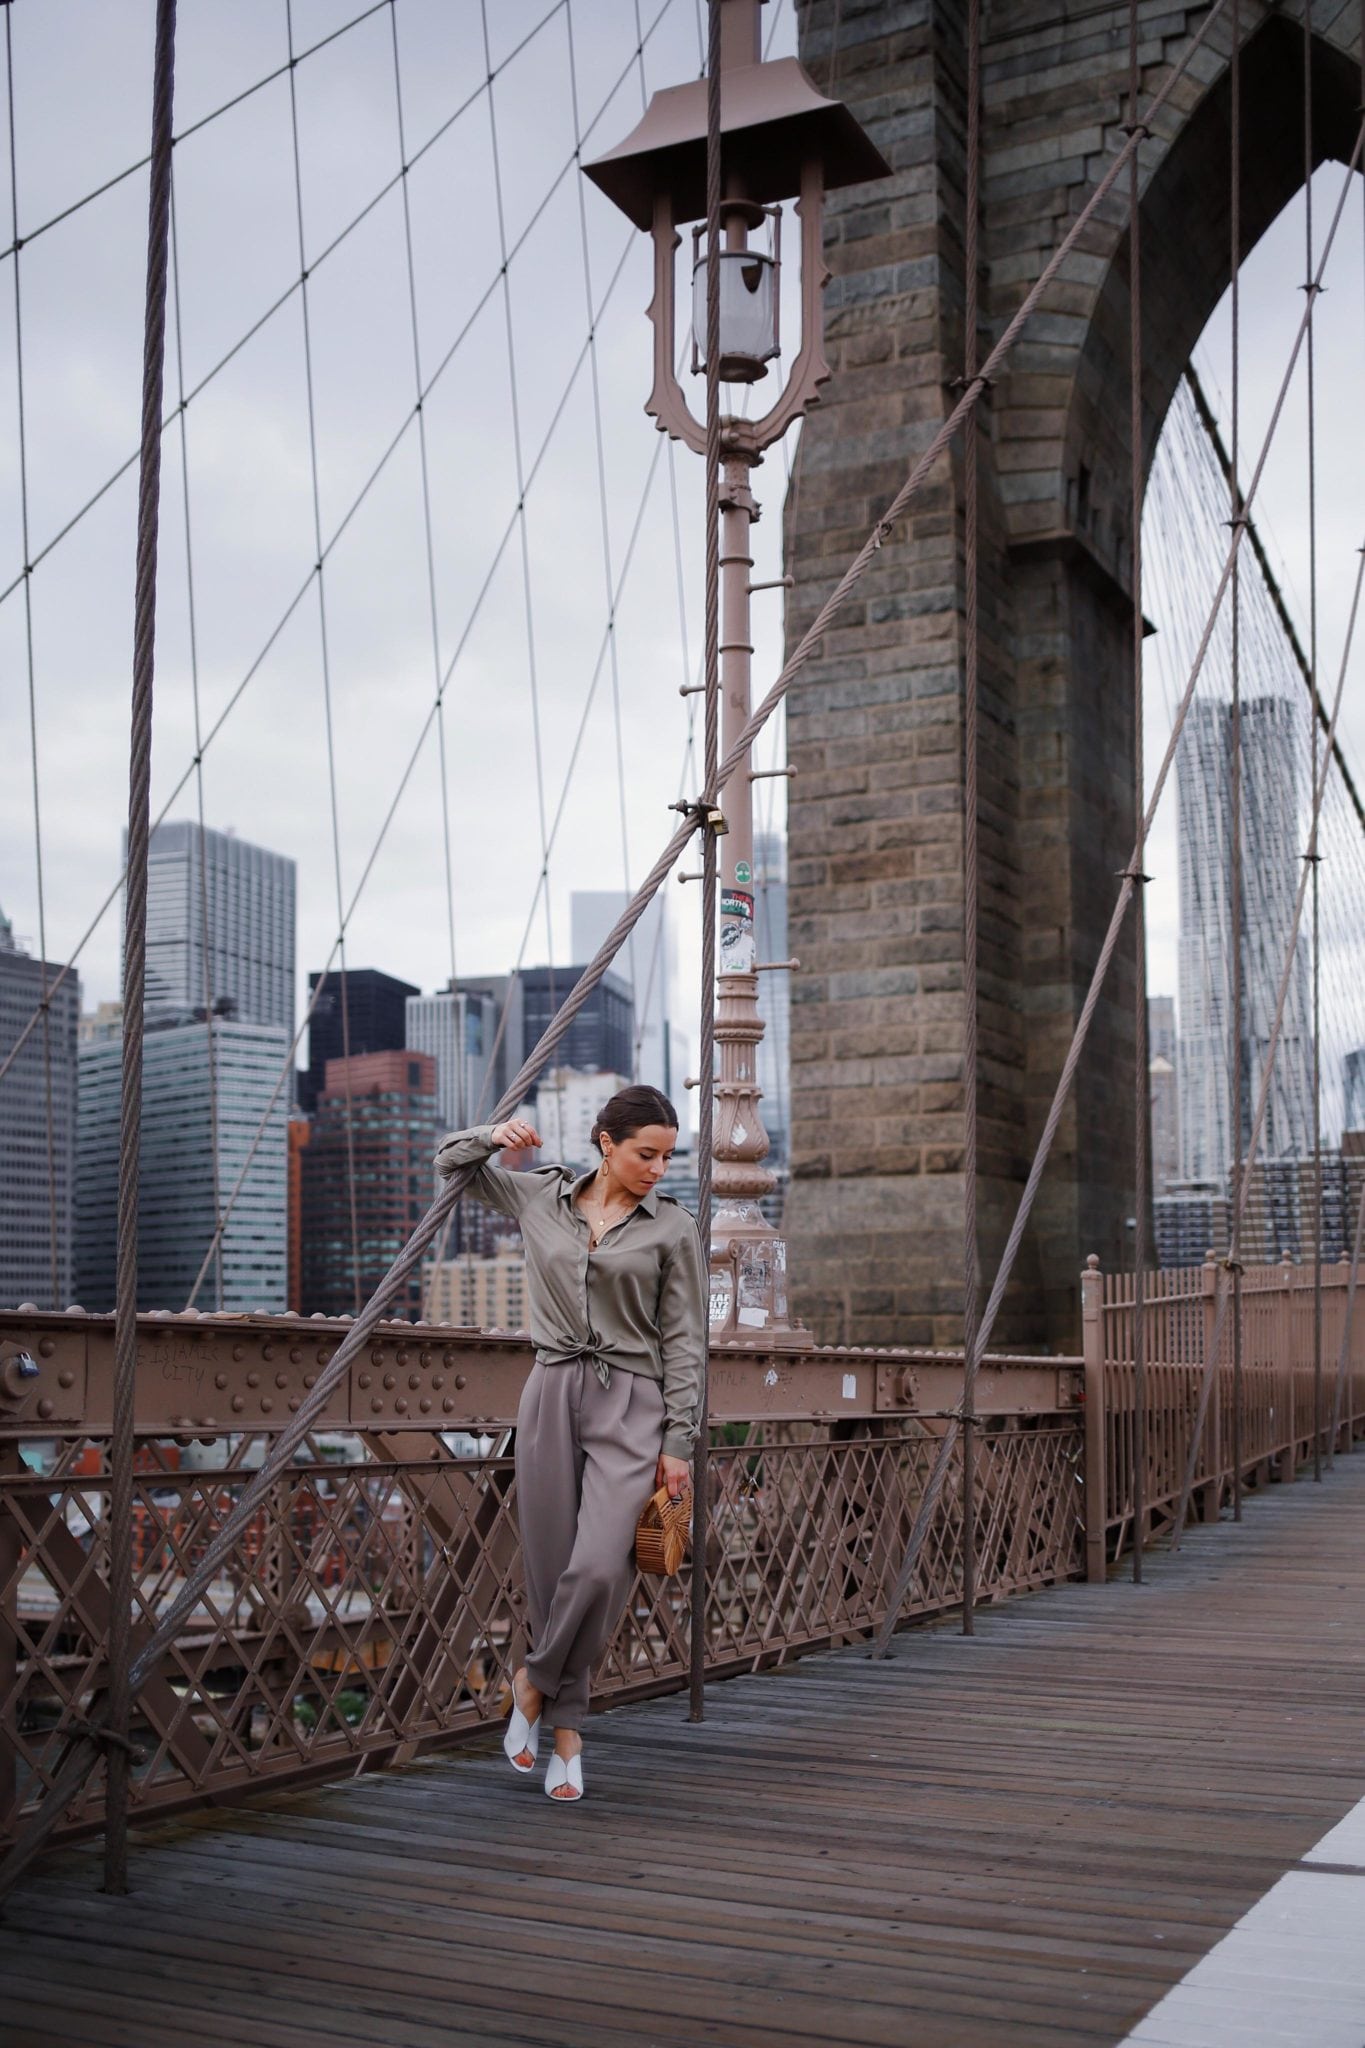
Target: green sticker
x,y
742,873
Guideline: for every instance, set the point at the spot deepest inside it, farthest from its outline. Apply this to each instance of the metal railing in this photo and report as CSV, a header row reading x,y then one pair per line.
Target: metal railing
x,y
373,1608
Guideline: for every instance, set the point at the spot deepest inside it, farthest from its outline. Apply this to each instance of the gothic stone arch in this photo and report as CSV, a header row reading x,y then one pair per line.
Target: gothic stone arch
x,y
875,1208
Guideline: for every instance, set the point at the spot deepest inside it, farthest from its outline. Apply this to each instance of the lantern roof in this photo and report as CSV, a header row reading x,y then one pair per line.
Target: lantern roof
x,y
773,118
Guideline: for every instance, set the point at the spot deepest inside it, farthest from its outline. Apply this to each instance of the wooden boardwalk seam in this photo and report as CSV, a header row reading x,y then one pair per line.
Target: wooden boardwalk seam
x,y
1024,1839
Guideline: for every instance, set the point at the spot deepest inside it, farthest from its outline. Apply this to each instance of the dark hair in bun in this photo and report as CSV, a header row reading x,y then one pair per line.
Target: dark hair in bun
x,y
634,1109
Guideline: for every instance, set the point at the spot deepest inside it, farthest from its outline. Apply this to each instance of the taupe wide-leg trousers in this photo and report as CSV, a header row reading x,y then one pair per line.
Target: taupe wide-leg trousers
x,y
585,1457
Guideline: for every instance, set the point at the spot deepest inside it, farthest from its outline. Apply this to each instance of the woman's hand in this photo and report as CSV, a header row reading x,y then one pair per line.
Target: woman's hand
x,y
515,1135
674,1473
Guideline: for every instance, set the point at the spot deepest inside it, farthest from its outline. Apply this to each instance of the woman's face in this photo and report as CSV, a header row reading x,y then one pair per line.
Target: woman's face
x,y
640,1162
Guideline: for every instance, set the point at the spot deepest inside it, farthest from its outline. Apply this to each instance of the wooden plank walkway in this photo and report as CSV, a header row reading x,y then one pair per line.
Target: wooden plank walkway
x,y
1021,1839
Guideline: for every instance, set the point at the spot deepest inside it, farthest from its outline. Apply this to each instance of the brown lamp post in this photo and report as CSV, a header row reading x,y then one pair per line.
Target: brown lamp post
x,y
779,138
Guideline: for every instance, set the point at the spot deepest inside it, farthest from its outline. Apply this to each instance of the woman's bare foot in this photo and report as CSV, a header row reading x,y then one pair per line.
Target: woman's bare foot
x,y
568,1742
530,1702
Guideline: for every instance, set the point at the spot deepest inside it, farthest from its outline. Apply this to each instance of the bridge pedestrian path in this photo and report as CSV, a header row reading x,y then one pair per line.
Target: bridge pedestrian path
x,y
1030,1838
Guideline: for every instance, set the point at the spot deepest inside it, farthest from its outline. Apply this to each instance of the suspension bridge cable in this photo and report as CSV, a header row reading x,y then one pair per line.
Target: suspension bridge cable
x,y
427,725
605,522
53,1233
706,1130
324,651
205,121
1235,744
1312,856
205,907
971,799
120,1682
352,509
1024,1209
78,1762
329,249
1137,130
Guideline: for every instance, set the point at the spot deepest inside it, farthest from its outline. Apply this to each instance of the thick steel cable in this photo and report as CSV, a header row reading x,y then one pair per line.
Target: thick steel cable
x,y
74,1770
121,1684
1312,856
334,539
1210,1365
1344,1350
971,881
205,907
325,657
706,1068
21,422
194,128
1140,1077
948,1441
342,235
1235,766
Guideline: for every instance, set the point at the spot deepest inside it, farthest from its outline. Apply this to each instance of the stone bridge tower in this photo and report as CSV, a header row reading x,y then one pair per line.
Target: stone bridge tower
x,y
874,1217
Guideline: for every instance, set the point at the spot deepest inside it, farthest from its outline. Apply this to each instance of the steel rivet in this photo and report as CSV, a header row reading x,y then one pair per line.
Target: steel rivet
x,y
425,1404
438,1380
390,1380
266,1404
447,1357
239,1351
449,1404
377,1355
267,1352
67,1378
424,1357
46,1408
310,1379
295,1354
364,1379
46,1347
376,1405
459,1381
281,1380
323,1354
401,1404
238,1404
293,1403
253,1379
220,1380
414,1380
401,1357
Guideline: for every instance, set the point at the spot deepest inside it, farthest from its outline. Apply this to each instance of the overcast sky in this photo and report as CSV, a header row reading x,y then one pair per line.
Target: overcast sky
x,y
81,93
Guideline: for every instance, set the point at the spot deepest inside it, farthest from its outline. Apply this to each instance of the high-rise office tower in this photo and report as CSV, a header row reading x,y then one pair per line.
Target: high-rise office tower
x,y
389,1099
36,1176
375,1020
458,1028
200,1081
1353,1090
774,992
1161,1028
645,965
600,1038
1272,832
220,930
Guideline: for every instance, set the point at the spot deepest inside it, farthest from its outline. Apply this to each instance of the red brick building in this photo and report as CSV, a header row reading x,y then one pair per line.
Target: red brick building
x,y
394,1132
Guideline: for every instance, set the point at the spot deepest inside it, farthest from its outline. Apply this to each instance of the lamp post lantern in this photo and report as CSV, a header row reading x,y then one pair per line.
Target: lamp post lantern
x,y
780,138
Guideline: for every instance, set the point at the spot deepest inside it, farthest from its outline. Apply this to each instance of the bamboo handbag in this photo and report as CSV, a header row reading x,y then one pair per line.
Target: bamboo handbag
x,y
661,1533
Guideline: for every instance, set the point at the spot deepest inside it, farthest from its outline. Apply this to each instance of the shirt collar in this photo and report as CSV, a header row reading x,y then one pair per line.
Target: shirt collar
x,y
571,1188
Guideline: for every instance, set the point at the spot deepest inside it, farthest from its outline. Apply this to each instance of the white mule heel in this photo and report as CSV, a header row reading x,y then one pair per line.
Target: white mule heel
x,y
521,1735
564,1771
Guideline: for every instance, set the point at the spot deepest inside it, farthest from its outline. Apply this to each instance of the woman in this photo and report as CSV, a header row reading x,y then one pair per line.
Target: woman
x,y
617,1289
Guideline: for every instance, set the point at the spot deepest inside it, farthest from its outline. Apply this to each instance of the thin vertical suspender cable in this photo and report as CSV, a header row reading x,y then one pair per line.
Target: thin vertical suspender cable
x,y
971,430
458,1047
1137,130
608,577
325,653
204,904
526,586
54,1264
711,769
1235,746
119,1703
1313,857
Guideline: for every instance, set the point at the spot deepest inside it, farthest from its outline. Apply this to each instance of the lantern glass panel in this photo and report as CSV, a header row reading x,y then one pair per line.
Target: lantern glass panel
x,y
748,312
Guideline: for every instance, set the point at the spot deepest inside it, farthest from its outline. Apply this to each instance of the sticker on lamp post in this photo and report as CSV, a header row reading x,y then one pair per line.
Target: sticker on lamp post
x,y
736,932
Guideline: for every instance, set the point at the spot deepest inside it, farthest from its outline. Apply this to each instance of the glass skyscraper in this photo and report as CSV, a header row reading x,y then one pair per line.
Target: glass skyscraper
x,y
35,1202
232,915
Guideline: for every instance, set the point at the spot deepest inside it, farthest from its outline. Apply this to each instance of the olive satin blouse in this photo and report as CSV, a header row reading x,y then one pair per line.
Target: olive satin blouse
x,y
637,1302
